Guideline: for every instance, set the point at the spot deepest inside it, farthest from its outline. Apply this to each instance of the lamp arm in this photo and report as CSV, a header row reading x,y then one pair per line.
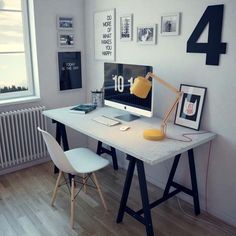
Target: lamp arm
x,y
169,86
173,89
168,113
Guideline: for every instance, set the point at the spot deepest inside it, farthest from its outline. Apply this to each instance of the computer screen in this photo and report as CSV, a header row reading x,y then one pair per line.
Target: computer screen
x,y
117,81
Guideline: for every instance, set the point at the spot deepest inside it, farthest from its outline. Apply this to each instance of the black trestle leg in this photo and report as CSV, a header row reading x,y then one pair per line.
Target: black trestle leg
x,y
99,148
112,153
144,197
58,139
194,182
62,136
114,158
171,175
125,194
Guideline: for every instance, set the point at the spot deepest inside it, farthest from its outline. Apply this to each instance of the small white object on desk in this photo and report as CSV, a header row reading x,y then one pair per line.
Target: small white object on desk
x,y
124,128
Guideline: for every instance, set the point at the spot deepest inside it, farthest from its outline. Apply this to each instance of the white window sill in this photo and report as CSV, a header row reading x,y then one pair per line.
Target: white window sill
x,y
13,101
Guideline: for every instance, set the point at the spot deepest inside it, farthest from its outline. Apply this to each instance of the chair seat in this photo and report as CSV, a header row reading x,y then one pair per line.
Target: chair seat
x,y
84,160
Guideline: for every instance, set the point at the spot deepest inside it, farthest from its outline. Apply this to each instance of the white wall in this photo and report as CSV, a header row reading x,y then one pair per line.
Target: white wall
x,y
47,48
172,63
46,13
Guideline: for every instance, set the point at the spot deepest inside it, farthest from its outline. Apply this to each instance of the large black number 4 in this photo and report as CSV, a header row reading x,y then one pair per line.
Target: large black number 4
x,y
214,47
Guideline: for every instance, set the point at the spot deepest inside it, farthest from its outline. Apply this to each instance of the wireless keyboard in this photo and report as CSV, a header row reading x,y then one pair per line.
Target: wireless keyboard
x,y
106,120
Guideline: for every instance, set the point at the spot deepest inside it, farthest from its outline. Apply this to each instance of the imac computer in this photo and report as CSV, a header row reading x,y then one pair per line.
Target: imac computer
x,y
117,81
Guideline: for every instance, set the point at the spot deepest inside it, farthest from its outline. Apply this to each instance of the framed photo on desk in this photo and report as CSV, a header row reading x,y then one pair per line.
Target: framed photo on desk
x,y
190,106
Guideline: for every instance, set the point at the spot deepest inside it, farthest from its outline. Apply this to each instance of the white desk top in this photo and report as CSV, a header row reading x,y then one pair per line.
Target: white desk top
x,y
131,141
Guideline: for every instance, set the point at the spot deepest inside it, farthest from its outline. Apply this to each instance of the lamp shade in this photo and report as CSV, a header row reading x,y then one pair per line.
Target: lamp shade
x,y
141,87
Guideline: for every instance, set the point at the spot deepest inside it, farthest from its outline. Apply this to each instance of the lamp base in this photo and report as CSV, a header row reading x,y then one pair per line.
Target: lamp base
x,y
154,134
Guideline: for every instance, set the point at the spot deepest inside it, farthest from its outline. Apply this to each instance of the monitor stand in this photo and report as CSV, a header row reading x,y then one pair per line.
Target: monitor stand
x,y
127,117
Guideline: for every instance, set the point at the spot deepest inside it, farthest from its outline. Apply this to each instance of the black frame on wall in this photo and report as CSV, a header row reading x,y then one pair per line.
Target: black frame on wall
x,y
189,109
70,72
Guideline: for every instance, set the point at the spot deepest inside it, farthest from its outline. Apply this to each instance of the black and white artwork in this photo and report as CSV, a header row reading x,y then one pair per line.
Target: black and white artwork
x,y
65,23
189,110
65,39
126,27
104,33
170,24
146,34
70,74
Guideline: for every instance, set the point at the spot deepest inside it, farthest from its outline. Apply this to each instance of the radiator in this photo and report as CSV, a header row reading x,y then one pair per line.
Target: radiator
x,y
20,141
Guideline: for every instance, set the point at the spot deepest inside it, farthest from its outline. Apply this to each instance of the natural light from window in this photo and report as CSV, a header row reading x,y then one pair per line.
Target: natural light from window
x,y
15,52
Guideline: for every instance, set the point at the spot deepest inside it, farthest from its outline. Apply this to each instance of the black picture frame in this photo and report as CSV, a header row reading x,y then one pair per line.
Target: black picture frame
x,y
70,72
189,110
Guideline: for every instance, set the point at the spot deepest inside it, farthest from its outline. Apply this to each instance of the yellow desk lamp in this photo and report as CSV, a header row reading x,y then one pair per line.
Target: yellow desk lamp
x,y
141,88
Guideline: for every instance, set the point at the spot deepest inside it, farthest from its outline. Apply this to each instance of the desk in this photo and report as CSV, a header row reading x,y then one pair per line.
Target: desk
x,y
138,151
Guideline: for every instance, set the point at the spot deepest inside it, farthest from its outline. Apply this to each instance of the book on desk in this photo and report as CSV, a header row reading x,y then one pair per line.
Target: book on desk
x,y
83,108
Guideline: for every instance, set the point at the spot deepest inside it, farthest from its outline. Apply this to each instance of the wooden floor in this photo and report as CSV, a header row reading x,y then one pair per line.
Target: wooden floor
x,y
25,209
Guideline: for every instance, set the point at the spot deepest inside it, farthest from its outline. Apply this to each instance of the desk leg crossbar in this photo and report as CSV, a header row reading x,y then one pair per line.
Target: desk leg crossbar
x,y
144,215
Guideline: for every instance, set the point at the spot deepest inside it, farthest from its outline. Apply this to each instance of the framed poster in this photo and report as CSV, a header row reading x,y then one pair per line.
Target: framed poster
x,y
126,27
70,76
65,22
146,34
104,35
66,39
189,109
170,24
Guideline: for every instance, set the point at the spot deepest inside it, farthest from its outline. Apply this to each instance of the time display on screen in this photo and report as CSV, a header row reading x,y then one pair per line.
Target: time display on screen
x,y
119,83
118,78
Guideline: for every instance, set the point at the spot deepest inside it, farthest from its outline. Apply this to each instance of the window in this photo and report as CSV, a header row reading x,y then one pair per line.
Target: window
x,y
16,51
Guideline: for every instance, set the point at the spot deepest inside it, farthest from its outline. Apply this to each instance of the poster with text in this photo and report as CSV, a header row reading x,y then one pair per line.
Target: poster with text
x,y
104,34
70,76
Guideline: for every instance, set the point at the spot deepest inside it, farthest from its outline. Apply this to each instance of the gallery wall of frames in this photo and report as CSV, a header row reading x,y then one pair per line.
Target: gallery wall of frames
x,y
170,25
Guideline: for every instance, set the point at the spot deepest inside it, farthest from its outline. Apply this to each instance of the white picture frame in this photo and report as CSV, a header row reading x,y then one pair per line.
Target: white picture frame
x,y
170,24
126,27
66,39
146,34
65,23
104,35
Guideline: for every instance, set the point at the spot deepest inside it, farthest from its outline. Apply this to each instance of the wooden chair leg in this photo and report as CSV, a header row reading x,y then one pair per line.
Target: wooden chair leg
x,y
56,188
72,201
99,191
84,183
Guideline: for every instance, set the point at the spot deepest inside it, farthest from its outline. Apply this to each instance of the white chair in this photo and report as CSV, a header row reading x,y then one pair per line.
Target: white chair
x,y
74,162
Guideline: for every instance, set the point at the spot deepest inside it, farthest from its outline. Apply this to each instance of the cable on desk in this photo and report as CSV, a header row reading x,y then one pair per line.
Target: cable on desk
x,y
185,135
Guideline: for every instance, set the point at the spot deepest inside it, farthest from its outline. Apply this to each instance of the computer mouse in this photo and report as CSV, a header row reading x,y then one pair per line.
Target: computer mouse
x,y
124,127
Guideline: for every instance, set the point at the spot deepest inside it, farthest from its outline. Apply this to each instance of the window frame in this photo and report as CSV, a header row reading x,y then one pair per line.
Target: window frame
x,y
31,63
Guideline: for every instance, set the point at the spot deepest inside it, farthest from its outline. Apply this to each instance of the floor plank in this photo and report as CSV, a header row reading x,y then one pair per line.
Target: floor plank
x,y
25,209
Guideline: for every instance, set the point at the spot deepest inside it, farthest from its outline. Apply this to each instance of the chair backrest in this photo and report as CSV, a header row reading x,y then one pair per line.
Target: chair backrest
x,y
57,154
